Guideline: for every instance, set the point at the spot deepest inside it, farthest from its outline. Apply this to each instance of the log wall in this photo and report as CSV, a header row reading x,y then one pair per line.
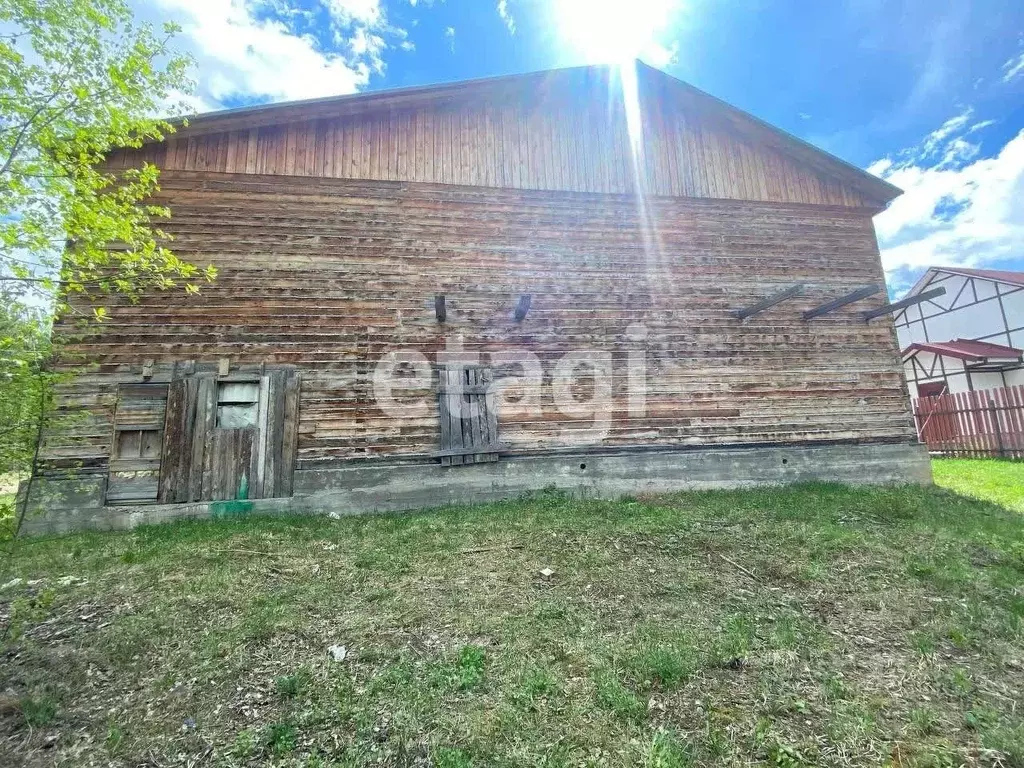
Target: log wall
x,y
330,275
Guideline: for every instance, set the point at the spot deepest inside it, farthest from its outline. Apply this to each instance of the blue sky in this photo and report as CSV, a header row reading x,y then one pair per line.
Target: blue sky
x,y
929,94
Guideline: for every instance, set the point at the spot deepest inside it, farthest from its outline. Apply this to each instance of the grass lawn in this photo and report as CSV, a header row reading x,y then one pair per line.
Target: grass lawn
x,y
999,481
811,625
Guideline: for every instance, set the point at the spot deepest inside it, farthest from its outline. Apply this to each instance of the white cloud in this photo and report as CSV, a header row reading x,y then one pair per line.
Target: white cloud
x,y
1013,67
506,16
363,11
935,141
241,54
958,209
449,34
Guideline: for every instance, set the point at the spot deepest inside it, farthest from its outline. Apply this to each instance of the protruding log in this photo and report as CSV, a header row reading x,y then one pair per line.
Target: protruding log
x,y
771,301
910,301
440,309
522,307
842,301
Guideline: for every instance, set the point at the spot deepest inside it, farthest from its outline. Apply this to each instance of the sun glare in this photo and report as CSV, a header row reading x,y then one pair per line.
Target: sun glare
x,y
612,31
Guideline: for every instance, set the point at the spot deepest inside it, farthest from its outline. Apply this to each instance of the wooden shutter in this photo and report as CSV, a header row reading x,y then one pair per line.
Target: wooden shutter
x,y
135,459
469,423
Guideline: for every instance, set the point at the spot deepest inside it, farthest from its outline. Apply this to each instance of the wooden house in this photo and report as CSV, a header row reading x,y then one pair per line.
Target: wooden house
x,y
968,339
473,290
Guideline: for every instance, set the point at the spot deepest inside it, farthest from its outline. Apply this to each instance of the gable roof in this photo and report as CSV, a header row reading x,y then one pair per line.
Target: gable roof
x,y
653,83
996,275
965,349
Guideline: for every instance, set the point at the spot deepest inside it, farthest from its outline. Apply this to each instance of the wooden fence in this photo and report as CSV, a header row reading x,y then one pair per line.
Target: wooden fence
x,y
984,423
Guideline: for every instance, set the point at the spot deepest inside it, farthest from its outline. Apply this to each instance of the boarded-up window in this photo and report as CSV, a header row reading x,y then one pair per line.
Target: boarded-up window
x,y
469,423
237,404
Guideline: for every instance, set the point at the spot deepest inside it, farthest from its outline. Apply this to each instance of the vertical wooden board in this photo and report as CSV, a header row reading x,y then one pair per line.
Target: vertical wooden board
x,y
474,141
252,146
320,146
289,433
371,148
214,445
741,158
453,156
695,158
468,415
261,150
361,156
307,145
484,151
669,168
427,128
236,147
351,150
272,428
521,153
260,452
596,128
504,148
405,128
221,162
171,154
385,147
464,143
1015,395
191,150
395,126
443,415
275,438
176,437
453,379
538,163
205,415
773,191
243,462
577,173
680,149
336,139
490,405
481,432
1014,420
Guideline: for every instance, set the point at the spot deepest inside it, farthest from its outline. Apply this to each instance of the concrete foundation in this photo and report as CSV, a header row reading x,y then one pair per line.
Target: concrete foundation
x,y
75,504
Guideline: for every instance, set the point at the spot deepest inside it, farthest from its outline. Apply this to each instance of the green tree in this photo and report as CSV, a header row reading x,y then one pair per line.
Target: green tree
x,y
78,79
24,382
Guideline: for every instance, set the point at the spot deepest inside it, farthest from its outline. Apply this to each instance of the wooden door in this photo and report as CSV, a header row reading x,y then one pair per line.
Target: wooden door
x,y
234,438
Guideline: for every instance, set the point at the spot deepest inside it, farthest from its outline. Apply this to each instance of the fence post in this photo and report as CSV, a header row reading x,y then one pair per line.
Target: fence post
x,y
994,415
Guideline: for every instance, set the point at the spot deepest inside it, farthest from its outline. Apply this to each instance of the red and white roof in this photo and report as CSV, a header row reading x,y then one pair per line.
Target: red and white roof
x,y
967,349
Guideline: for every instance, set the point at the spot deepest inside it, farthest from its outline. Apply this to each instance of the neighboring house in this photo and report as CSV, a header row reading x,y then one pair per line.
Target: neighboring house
x,y
969,338
619,294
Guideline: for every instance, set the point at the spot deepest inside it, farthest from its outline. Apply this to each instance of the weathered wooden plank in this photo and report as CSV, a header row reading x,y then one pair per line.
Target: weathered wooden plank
x,y
289,434
205,415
